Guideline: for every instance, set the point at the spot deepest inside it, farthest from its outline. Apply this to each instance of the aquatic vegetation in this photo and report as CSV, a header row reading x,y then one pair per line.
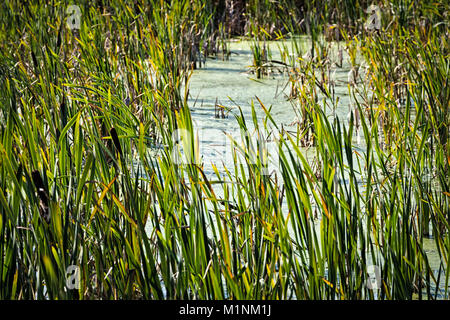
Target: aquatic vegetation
x,y
103,192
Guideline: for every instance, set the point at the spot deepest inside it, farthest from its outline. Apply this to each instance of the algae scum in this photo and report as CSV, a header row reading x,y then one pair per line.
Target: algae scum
x,y
229,83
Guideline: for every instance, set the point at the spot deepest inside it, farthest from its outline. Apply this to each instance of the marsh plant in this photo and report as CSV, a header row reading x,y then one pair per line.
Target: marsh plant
x,y
93,205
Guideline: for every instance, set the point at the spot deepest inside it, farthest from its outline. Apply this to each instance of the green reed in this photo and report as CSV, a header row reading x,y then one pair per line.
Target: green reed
x,y
91,123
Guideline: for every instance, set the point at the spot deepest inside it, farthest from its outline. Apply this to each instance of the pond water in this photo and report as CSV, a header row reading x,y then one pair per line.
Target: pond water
x,y
230,83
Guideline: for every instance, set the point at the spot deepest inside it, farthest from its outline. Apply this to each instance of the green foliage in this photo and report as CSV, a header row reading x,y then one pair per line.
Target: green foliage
x,y
88,127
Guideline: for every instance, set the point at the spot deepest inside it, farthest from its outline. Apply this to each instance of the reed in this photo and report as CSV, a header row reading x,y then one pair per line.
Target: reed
x,y
100,164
